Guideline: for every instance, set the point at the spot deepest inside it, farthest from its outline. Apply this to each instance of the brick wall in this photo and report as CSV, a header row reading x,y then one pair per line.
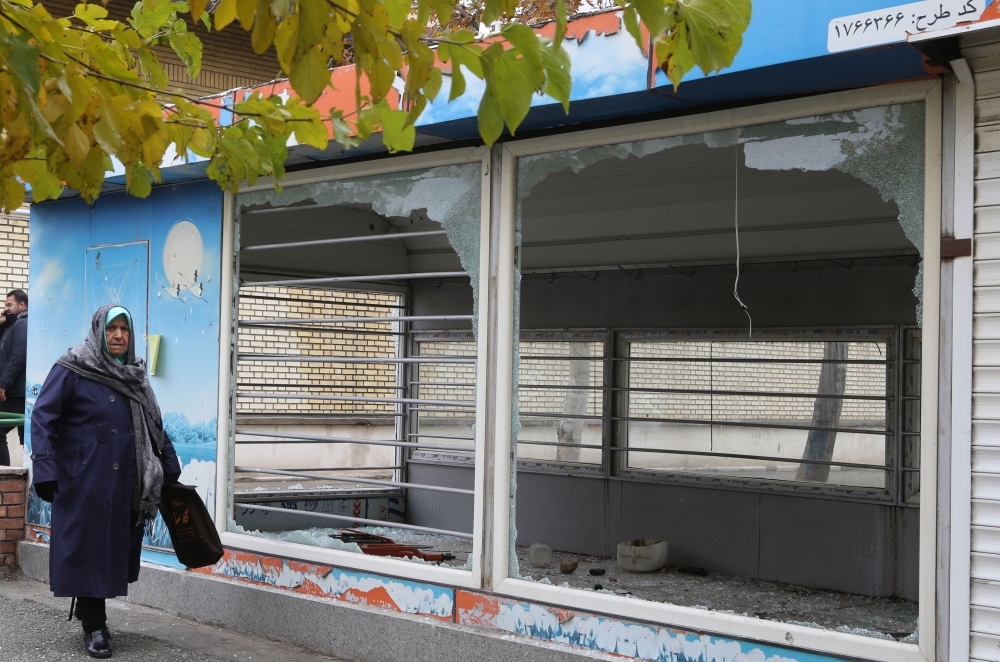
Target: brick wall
x,y
13,487
13,253
447,380
867,379
377,380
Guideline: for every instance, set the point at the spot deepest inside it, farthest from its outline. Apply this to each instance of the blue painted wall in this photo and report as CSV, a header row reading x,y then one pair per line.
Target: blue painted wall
x,y
159,256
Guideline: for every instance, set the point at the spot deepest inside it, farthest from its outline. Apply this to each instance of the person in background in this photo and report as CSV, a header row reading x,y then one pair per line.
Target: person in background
x,y
13,357
100,456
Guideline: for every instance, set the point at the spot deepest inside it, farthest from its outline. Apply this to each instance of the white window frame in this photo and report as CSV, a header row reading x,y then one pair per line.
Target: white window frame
x,y
824,641
383,565
495,396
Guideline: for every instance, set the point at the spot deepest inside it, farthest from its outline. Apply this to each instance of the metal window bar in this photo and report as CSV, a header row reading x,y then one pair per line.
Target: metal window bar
x,y
272,437
326,387
344,320
908,391
342,468
344,240
440,436
747,424
346,359
356,279
347,398
743,456
249,294
779,394
533,442
449,384
360,520
357,331
355,479
562,387
694,359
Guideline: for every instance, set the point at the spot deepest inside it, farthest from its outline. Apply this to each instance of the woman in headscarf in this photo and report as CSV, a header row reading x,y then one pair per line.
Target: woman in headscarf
x,y
101,457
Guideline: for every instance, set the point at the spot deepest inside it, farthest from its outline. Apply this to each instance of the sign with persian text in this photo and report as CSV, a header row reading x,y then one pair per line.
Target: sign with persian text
x,y
895,24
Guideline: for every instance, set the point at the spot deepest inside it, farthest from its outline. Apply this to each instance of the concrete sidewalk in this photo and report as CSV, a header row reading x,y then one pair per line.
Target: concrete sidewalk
x,y
33,627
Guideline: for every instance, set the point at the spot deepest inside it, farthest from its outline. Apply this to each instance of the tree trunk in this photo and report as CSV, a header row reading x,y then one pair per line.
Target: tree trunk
x,y
826,414
570,430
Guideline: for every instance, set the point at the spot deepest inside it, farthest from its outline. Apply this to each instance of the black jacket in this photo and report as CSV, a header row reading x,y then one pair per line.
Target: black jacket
x,y
13,356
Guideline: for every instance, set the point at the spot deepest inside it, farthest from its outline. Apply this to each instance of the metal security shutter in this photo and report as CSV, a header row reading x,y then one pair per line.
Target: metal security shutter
x,y
983,55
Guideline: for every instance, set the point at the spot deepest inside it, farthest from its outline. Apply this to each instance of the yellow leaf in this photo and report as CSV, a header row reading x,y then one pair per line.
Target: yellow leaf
x,y
77,144
92,15
55,108
312,132
106,134
14,149
396,133
197,8
397,11
246,10
314,19
154,145
90,12
118,111
225,13
285,41
78,90
310,76
154,131
138,180
263,28
201,142
14,197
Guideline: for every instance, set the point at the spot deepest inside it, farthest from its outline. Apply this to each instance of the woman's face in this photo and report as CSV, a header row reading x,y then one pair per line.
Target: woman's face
x,y
117,333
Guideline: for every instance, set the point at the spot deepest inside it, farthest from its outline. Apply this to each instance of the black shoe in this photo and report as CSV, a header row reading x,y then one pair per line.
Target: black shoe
x,y
97,643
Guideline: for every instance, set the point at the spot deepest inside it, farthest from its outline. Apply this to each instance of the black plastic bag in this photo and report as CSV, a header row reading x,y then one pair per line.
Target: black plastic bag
x,y
196,541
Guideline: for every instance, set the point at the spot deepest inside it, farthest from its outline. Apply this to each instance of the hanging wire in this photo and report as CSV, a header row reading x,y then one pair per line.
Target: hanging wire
x,y
736,222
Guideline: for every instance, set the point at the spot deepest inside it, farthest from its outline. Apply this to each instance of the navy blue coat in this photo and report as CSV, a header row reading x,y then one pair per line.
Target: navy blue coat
x,y
81,437
13,354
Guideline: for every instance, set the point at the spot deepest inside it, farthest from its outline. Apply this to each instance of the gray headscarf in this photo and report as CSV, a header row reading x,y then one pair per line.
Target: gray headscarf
x,y
89,359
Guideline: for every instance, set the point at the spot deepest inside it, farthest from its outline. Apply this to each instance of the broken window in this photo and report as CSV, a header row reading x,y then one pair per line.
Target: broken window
x,y
757,295
348,398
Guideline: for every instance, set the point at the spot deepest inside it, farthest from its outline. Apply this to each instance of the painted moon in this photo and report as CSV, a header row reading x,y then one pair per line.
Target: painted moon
x,y
182,256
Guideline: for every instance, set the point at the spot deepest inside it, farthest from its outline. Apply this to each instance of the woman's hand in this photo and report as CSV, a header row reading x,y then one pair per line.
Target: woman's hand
x,y
47,491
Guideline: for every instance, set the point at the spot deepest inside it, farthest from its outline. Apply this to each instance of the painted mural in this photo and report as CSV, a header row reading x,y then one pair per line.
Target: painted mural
x,y
159,257
611,635
593,632
360,588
